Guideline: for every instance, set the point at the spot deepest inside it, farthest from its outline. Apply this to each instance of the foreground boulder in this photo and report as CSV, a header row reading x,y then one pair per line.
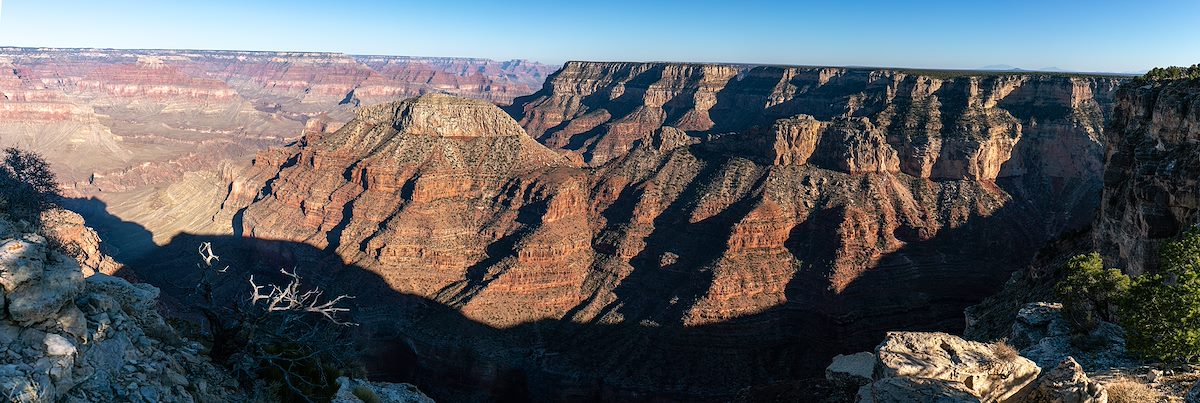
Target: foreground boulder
x,y
918,366
1042,334
360,391
1066,383
853,369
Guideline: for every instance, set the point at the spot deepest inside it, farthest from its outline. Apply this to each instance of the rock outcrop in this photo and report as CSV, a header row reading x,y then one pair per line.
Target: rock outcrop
x,y
359,391
917,363
1066,383
932,126
1044,336
71,333
457,178
1151,193
858,368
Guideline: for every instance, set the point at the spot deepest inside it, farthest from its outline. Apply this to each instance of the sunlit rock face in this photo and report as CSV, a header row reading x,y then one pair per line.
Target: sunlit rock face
x,y
743,224
1150,180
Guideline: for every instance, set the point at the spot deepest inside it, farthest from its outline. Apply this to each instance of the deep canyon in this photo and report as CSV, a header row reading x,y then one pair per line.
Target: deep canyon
x,y
624,231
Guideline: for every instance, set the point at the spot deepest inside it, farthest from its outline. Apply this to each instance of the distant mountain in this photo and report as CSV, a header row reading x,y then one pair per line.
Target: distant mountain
x,y
1000,67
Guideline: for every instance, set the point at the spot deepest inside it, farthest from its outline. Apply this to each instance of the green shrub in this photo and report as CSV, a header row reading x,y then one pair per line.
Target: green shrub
x,y
27,186
1091,293
1161,313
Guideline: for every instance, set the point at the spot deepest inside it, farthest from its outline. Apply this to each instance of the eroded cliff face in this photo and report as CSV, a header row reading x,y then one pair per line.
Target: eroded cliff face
x,y
1150,180
938,126
741,224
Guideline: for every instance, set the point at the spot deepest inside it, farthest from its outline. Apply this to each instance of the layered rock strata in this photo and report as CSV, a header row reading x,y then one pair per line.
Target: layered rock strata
x,y
1151,192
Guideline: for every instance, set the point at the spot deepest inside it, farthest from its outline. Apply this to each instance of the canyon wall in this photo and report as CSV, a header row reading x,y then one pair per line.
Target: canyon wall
x,y
1150,180
682,230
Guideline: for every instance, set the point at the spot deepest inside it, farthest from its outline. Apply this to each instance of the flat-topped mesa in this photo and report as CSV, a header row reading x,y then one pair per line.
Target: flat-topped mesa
x,y
443,115
469,131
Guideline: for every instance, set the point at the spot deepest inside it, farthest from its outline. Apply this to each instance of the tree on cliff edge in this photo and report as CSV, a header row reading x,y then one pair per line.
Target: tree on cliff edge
x,y
27,185
1162,310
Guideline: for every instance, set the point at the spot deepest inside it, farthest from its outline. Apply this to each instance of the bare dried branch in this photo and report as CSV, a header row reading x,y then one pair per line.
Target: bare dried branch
x,y
291,298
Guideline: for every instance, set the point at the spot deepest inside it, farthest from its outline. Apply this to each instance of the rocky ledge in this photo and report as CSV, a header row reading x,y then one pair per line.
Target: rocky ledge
x,y
69,332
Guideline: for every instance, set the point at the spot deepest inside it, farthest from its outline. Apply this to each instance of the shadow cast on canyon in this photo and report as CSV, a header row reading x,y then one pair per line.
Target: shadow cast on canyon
x,y
647,357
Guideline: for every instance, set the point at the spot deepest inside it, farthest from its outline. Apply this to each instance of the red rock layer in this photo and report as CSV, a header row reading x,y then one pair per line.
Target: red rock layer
x,y
423,192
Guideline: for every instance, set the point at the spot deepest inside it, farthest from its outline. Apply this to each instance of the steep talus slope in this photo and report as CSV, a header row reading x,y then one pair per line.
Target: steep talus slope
x,y
719,226
1150,180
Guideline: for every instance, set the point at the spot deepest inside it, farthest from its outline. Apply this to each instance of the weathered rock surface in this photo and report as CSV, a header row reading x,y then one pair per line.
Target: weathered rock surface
x,y
858,368
1044,336
359,391
980,368
1066,383
906,389
1151,191
99,339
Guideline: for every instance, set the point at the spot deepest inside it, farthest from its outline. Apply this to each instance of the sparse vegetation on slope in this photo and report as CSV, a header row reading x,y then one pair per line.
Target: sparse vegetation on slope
x,y
27,185
1162,311
1090,292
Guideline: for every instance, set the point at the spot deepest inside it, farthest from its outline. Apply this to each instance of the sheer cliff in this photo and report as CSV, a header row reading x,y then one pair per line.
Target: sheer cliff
x,y
1150,179
742,224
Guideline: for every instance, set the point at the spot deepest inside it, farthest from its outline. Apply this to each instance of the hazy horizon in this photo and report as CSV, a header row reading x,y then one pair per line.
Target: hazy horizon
x,y
1110,36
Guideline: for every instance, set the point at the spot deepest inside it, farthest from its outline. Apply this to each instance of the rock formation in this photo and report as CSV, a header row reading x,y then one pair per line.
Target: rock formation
x,y
1150,177
1066,383
359,391
915,366
71,333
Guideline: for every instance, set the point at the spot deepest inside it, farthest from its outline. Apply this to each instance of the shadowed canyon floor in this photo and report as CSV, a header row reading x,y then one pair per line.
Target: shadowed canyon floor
x,y
670,231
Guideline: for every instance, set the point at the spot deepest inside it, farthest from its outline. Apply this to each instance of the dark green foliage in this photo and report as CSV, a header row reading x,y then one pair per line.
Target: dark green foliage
x,y
1173,73
1090,293
1162,311
27,186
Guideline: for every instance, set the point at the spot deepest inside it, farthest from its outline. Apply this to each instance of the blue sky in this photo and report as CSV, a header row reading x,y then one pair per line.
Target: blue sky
x,y
1076,35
